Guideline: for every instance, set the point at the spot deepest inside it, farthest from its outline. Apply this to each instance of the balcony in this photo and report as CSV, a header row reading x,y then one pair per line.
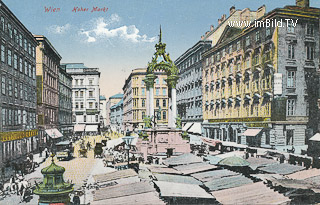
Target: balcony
x,y
92,111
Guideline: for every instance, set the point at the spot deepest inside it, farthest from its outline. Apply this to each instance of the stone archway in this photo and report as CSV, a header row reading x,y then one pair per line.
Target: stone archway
x,y
161,62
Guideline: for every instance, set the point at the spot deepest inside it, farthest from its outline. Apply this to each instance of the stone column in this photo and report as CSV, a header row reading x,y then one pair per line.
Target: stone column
x,y
149,81
172,82
148,102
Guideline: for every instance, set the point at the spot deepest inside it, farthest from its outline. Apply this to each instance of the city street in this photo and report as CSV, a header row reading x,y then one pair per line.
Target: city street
x,y
78,170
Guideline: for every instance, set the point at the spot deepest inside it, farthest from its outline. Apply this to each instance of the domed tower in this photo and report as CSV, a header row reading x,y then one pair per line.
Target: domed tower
x,y
53,189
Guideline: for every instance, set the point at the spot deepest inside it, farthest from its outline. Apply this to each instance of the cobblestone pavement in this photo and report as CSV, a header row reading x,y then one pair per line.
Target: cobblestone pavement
x,y
78,170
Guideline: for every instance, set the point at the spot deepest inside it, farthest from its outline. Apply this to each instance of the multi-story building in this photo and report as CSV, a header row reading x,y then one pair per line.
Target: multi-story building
x,y
48,62
85,97
18,131
65,102
189,87
116,116
113,100
103,112
259,83
134,99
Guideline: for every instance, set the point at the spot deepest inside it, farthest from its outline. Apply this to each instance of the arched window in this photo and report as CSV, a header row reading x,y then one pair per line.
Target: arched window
x,y
157,103
164,115
143,102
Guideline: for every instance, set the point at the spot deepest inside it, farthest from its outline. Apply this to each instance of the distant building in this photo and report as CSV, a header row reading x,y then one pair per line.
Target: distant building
x,y
260,84
134,99
65,102
116,116
48,62
103,112
85,97
18,131
113,100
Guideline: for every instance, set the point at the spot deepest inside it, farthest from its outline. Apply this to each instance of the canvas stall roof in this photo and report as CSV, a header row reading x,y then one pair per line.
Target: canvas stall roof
x,y
282,168
114,175
256,193
79,127
113,143
187,126
212,159
195,128
215,174
66,142
123,190
305,174
54,133
315,137
233,144
182,159
230,154
234,161
177,179
251,132
295,184
194,168
195,140
259,162
144,198
92,128
210,142
314,180
267,177
163,170
170,189
227,182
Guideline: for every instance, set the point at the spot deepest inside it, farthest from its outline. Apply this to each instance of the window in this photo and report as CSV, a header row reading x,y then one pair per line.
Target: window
x,y
25,68
164,81
21,91
157,81
238,45
157,103
77,105
20,65
143,103
290,27
310,52
10,30
290,51
15,61
76,93
157,91
81,105
257,35
143,91
247,40
10,86
2,23
164,103
164,91
16,89
268,31
291,107
310,29
143,115
3,85
164,115
84,118
291,79
77,82
90,104
25,45
2,53
30,70
81,94
9,57
91,94
90,81
81,81
20,40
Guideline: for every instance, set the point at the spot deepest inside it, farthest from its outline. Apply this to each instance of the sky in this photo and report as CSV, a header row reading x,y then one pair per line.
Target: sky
x,y
122,37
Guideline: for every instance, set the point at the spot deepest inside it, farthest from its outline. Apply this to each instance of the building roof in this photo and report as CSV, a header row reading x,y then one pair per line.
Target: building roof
x,y
182,159
74,65
123,190
114,175
212,159
194,168
227,182
215,174
120,103
116,96
170,189
48,43
163,170
102,97
259,162
282,168
256,193
177,179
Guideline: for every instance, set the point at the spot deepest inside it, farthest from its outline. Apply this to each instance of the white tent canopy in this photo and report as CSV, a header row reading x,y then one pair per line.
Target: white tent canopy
x,y
187,126
315,137
54,133
196,128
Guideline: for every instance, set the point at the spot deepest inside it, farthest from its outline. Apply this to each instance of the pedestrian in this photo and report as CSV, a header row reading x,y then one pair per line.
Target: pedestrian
x,y
88,146
46,152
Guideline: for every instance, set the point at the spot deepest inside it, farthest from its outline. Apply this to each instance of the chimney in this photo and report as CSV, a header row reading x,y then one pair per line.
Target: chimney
x,y
232,9
211,28
302,3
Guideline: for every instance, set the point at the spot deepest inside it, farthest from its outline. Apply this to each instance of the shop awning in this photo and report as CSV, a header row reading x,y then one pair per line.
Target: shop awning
x,y
91,128
210,142
195,140
187,126
251,132
54,133
196,128
315,137
79,128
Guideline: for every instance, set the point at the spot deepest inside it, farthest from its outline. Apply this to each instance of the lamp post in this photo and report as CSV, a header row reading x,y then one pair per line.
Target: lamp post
x,y
128,140
157,115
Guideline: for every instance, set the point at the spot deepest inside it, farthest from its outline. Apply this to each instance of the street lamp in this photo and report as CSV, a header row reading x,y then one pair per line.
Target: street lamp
x,y
128,140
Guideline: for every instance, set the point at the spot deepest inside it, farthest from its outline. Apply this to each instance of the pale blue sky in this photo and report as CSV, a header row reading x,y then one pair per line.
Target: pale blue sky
x,y
123,38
